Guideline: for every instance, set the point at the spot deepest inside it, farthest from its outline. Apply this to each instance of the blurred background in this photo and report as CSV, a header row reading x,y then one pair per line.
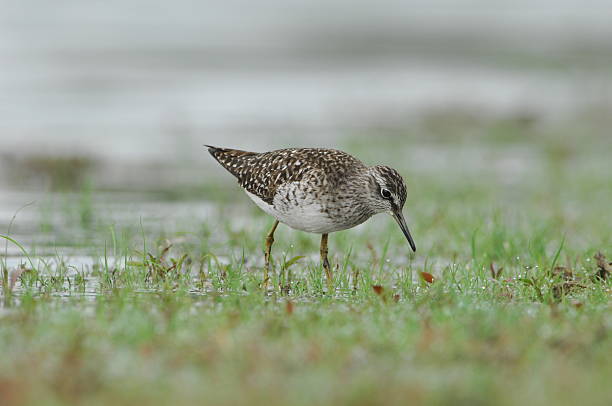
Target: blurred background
x,y
120,95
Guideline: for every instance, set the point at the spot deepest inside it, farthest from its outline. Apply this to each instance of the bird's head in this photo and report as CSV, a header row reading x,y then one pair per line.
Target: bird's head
x,y
388,194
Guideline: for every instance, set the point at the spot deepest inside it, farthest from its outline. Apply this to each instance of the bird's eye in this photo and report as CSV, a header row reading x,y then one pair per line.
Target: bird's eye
x,y
385,193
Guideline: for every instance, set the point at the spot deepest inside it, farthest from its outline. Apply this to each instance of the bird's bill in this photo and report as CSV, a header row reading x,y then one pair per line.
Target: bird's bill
x,y
399,217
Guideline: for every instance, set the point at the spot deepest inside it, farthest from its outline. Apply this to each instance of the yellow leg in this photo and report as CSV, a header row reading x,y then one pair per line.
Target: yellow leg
x,y
269,242
325,261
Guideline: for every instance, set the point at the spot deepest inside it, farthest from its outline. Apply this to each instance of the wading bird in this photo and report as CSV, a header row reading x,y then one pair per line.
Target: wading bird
x,y
316,190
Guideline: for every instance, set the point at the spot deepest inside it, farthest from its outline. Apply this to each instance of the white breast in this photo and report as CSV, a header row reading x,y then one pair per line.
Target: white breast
x,y
308,215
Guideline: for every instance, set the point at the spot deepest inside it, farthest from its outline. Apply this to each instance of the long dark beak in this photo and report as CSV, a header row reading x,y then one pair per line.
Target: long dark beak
x,y
399,217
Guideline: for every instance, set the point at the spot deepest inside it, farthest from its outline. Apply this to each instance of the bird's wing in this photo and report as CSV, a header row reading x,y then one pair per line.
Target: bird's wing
x,y
263,173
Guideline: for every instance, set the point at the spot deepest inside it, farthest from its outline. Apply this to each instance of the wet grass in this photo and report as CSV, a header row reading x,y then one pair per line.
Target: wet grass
x,y
506,302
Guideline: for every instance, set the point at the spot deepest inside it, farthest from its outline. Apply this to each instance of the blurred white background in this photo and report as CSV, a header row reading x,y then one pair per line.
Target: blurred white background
x,y
143,80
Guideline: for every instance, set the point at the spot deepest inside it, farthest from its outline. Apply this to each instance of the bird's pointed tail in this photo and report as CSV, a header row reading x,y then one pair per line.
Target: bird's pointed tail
x,y
230,159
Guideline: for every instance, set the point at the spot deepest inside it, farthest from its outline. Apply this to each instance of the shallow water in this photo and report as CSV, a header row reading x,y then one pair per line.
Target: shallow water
x,y
139,93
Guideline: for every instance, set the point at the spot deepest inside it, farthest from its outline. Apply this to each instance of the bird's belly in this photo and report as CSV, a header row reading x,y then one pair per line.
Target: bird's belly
x,y
308,215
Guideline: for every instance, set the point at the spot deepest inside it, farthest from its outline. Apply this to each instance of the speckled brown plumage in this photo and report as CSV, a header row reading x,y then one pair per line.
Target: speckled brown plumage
x,y
263,173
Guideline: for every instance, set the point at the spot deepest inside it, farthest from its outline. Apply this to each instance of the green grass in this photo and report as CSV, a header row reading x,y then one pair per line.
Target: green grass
x,y
508,227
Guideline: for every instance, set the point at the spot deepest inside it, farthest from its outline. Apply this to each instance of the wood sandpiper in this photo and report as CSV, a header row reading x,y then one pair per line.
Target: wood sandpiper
x,y
315,190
